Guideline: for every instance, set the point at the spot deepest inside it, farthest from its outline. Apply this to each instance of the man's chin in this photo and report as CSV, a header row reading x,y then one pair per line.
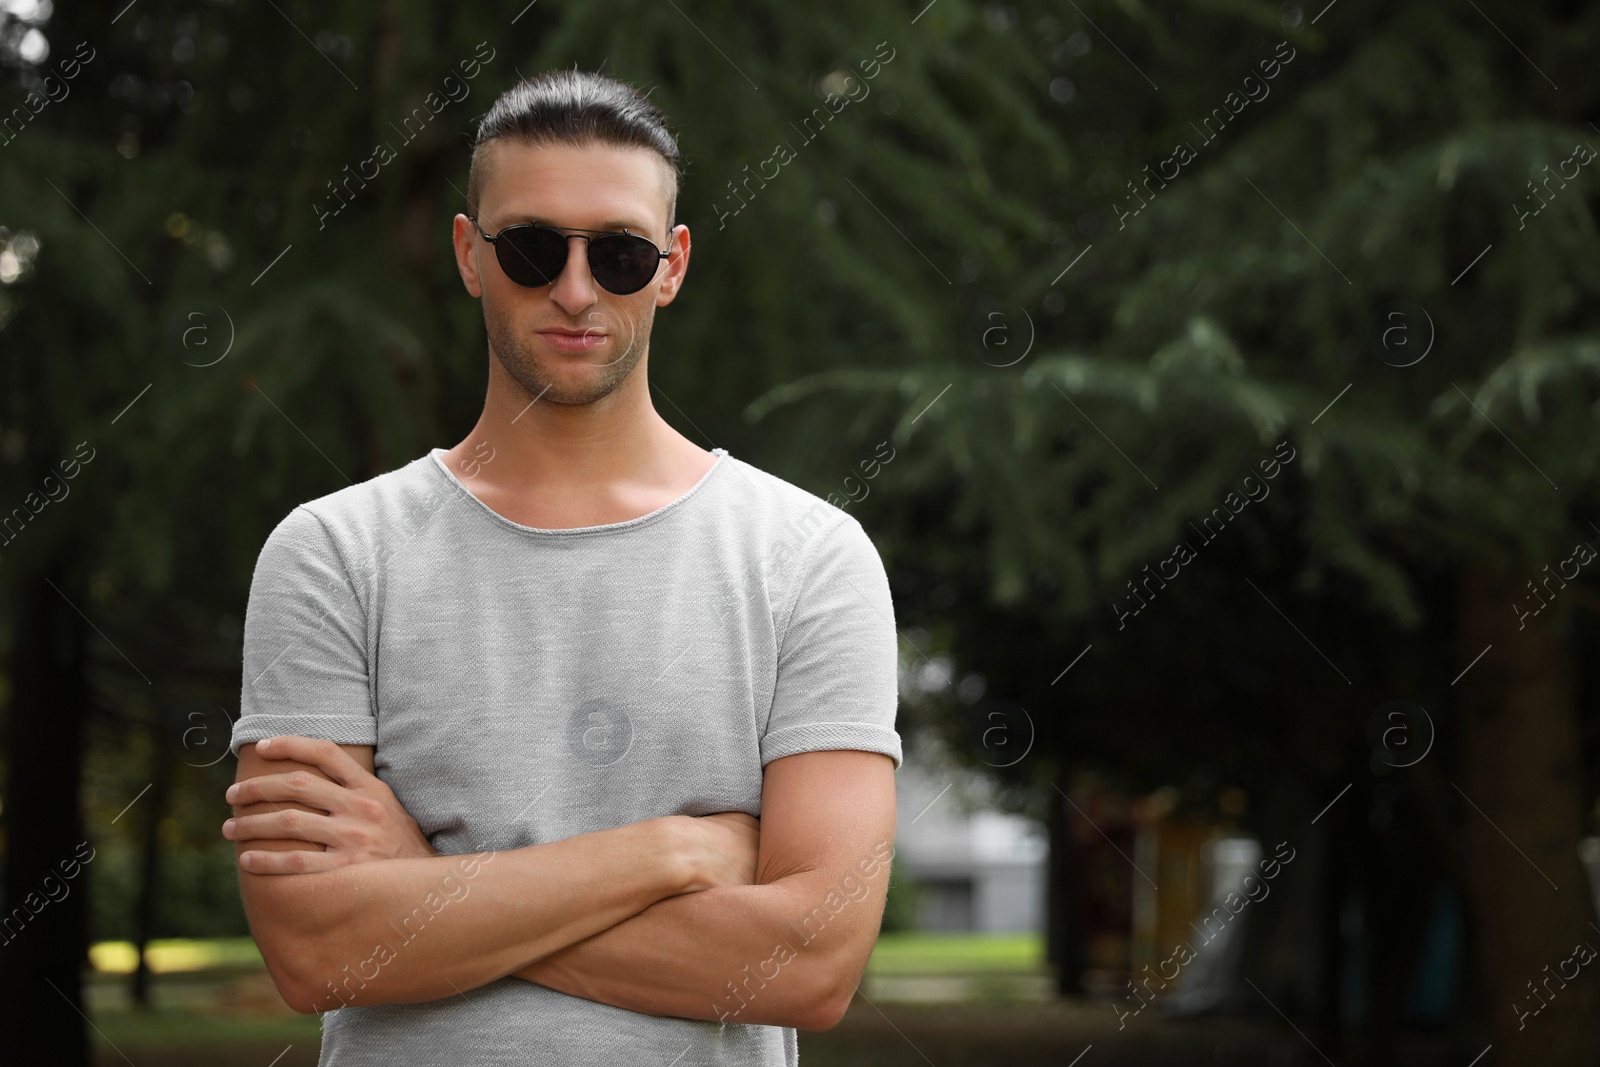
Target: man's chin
x,y
558,389
603,355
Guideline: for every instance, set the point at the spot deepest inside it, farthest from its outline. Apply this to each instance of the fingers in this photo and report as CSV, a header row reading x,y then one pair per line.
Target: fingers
x,y
730,872
302,862
287,824
326,756
297,787
734,840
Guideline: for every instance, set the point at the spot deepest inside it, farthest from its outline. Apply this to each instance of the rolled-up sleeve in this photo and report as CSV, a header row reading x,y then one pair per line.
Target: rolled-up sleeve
x,y
838,659
306,668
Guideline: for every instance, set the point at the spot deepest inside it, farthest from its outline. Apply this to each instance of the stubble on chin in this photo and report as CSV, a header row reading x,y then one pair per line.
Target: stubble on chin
x,y
518,355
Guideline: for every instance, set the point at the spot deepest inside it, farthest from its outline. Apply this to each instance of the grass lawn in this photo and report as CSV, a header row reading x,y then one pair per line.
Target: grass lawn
x,y
896,954
176,955
215,1004
929,954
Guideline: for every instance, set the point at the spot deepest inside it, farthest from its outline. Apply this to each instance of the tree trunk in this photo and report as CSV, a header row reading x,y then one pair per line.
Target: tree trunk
x,y
1522,808
1063,902
43,941
146,916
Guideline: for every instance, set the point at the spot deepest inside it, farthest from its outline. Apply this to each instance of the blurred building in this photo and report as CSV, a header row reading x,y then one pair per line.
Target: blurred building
x,y
976,868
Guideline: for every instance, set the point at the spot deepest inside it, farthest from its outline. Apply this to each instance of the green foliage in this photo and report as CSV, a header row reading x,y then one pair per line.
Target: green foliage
x,y
199,893
1228,312
851,299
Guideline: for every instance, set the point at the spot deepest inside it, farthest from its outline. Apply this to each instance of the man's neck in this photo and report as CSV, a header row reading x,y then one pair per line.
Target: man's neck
x,y
567,465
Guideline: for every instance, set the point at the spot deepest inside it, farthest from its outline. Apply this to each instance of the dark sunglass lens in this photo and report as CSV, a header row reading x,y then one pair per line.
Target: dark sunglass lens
x,y
531,256
623,263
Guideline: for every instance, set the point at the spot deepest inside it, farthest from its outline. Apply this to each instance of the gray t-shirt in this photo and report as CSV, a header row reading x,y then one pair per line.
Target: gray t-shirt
x,y
523,685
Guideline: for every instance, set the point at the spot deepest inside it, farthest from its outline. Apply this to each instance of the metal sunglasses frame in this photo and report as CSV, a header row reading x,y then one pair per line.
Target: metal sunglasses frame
x,y
569,232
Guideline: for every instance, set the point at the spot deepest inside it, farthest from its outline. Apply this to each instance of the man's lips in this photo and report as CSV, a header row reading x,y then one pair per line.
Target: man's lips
x,y
574,340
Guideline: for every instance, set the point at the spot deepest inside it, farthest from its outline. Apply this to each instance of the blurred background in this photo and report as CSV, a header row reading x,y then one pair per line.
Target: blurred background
x,y
1219,396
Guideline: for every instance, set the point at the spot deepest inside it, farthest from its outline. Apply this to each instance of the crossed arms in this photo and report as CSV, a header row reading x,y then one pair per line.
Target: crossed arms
x,y
707,918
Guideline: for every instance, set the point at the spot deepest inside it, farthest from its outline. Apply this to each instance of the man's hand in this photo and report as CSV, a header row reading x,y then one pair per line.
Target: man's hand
x,y
357,818
728,846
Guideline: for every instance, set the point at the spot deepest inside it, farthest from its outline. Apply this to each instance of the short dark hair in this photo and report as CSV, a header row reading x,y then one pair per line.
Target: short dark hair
x,y
577,108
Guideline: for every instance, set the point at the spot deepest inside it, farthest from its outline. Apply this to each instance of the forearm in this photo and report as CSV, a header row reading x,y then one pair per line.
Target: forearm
x,y
407,930
772,954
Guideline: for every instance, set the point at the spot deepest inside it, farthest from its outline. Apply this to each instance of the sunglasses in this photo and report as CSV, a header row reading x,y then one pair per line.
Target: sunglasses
x,y
534,255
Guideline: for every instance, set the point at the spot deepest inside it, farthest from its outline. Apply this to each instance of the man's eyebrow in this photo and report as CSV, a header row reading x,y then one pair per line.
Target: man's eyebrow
x,y
625,224
632,225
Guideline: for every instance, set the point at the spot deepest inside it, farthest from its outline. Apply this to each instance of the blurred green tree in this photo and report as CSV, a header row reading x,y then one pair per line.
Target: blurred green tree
x,y
1312,234
176,206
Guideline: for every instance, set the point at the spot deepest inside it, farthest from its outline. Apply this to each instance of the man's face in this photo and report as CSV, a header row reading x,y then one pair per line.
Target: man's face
x,y
600,187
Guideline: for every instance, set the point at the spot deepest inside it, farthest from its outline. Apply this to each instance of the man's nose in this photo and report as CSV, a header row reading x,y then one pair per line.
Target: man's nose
x,y
574,289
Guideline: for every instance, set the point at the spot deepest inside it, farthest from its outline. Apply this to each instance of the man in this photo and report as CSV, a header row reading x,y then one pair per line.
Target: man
x,y
510,712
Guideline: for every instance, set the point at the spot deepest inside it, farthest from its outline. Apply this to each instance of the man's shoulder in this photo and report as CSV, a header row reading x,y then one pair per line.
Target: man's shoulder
x,y
369,515
784,517
779,502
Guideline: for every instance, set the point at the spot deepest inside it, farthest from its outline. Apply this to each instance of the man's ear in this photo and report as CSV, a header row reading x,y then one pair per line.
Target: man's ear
x,y
464,239
677,265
